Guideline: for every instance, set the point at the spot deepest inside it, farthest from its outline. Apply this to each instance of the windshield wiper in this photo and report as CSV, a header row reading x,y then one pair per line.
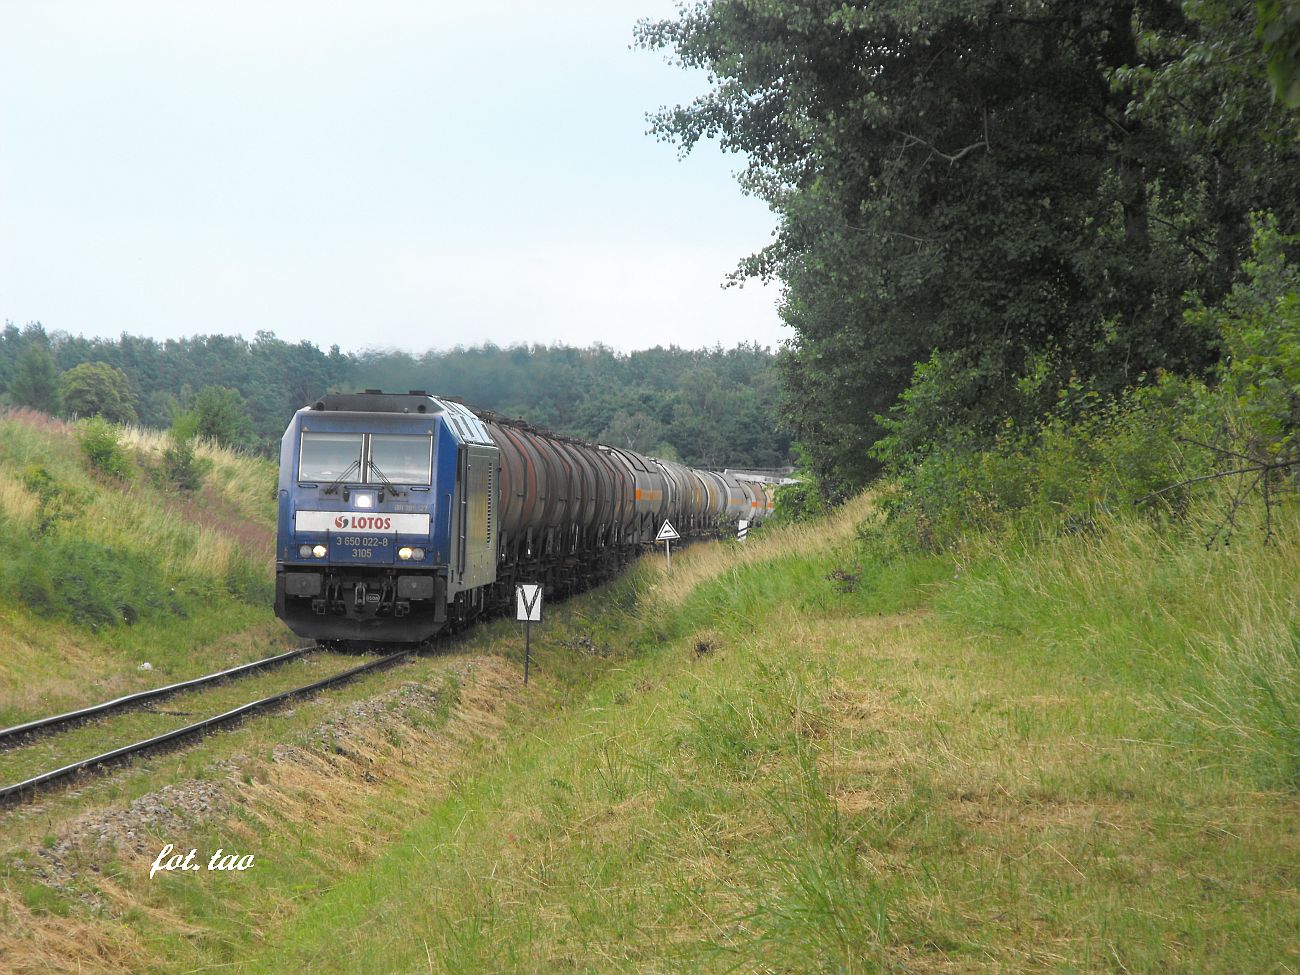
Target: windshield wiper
x,y
338,481
374,469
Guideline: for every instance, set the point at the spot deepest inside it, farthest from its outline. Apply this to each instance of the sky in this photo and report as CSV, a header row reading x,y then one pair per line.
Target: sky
x,y
382,174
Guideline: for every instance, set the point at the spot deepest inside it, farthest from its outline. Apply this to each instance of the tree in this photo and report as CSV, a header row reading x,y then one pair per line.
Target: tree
x,y
1279,29
220,415
633,431
35,382
98,389
988,185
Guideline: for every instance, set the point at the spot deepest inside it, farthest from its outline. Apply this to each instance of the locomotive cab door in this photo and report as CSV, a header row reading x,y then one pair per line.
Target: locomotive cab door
x,y
476,514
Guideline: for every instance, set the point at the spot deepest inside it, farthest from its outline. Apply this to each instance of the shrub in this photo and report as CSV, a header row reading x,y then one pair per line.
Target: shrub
x,y
798,502
85,583
1092,456
1260,325
103,452
219,414
55,502
182,467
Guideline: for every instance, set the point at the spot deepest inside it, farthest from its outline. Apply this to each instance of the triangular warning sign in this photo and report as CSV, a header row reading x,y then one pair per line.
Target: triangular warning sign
x,y
666,532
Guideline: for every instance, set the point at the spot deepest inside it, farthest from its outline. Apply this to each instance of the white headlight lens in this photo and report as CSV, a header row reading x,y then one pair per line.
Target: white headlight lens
x,y
418,554
405,553
319,551
363,500
304,551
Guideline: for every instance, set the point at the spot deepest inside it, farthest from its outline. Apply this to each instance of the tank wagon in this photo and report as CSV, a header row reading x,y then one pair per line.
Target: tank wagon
x,y
401,514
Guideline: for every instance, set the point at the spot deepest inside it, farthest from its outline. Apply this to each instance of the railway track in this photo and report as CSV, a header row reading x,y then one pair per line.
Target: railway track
x,y
15,792
21,733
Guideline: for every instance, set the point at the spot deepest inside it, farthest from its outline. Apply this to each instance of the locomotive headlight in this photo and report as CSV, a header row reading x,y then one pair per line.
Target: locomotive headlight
x,y
405,553
319,551
363,499
418,554
304,551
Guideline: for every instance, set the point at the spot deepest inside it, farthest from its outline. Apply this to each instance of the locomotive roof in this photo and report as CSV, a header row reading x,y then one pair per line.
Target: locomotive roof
x,y
467,427
375,401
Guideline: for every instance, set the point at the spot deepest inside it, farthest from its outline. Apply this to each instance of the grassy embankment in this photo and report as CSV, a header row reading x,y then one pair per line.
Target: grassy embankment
x,y
1075,756
1072,754
101,574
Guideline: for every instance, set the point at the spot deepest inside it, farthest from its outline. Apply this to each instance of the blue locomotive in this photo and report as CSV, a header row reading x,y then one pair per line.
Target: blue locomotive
x,y
401,514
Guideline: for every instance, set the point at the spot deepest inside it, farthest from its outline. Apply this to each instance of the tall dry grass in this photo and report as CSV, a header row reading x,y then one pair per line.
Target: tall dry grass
x,y
142,440
17,503
1211,633
698,564
246,481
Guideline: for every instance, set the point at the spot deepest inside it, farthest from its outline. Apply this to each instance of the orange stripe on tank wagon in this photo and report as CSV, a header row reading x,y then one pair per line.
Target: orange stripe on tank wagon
x,y
638,494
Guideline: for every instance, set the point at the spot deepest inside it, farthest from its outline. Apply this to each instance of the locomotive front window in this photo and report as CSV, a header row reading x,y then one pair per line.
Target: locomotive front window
x,y
326,456
402,460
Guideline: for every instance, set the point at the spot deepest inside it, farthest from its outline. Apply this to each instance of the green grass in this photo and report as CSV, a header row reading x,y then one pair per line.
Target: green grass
x,y
126,728
1207,638
102,574
1010,777
801,755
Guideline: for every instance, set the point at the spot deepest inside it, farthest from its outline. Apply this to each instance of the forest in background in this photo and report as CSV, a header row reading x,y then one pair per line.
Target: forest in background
x,y
711,407
1008,226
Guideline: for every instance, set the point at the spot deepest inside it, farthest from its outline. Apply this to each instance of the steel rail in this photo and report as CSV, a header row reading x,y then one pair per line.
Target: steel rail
x,y
11,736
10,793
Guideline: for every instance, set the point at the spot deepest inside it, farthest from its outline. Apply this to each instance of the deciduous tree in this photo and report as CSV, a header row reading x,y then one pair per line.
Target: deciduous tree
x,y
990,182
98,389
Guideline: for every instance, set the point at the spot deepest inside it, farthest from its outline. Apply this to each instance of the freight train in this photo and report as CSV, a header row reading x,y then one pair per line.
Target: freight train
x,y
404,514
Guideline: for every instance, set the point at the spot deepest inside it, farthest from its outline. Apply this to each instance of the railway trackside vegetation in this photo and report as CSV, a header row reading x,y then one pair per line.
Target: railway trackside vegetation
x,y
1035,751
1012,683
993,215
110,563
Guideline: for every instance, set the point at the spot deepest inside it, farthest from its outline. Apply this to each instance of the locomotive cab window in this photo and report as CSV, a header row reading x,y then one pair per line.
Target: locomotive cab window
x,y
326,456
400,459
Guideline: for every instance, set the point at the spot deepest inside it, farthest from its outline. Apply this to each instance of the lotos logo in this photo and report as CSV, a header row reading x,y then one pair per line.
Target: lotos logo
x,y
373,522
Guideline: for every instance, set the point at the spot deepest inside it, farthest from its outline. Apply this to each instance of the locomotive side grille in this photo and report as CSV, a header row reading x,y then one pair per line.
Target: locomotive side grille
x,y
491,503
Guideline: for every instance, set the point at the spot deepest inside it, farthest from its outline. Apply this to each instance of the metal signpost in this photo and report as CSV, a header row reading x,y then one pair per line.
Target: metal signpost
x,y
528,610
666,535
742,529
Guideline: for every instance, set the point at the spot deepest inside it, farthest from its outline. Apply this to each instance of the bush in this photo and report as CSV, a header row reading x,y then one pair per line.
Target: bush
x,y
1259,322
104,454
55,502
798,502
218,414
1092,456
85,583
181,466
